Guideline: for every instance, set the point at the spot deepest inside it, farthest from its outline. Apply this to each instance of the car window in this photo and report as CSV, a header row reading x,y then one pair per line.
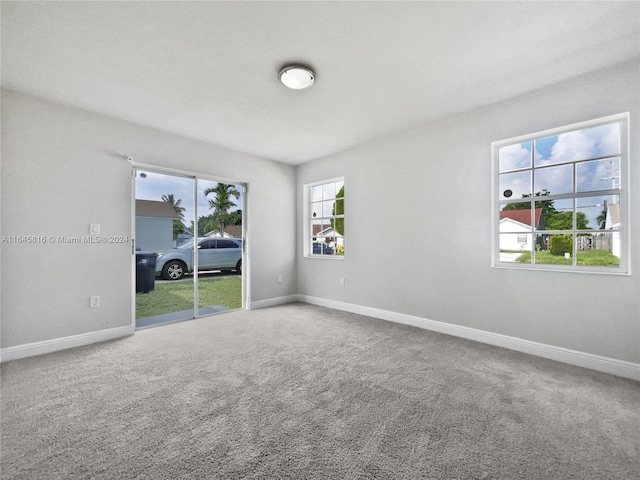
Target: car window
x,y
207,244
227,244
186,245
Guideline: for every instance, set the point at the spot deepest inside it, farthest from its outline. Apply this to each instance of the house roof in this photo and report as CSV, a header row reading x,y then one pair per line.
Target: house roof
x,y
230,231
319,228
523,216
153,208
234,230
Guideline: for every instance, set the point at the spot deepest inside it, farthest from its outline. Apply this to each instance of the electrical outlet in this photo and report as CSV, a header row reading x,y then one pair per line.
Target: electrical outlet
x,y
341,281
94,229
279,278
94,302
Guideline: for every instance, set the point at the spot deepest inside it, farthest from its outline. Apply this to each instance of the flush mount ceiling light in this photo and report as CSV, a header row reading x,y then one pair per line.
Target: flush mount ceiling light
x,y
297,77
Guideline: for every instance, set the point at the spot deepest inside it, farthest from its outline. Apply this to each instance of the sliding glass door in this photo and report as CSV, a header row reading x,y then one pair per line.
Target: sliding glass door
x,y
186,268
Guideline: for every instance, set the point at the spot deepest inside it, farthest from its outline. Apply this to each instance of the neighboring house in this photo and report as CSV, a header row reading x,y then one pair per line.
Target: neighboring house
x,y
516,225
234,231
184,237
612,222
154,225
326,234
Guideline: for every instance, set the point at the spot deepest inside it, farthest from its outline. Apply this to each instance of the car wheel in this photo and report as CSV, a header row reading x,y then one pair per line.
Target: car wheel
x,y
239,267
174,270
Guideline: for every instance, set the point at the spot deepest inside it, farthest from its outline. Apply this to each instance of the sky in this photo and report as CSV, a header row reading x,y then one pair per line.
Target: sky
x,y
155,185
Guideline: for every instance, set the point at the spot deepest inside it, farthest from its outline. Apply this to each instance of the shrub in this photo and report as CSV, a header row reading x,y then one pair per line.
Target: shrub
x,y
561,244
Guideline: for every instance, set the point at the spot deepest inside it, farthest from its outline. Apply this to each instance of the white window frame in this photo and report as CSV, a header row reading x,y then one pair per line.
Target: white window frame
x,y
623,192
307,221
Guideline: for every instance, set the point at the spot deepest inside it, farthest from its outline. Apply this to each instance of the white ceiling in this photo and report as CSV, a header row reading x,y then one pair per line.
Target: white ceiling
x,y
208,70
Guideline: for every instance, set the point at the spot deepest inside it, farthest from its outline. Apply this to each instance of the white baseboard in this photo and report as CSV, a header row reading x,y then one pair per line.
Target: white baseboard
x,y
272,302
48,346
619,368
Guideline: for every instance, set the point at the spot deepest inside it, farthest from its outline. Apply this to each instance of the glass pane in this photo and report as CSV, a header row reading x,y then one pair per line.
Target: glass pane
x,y
318,229
555,249
544,151
557,214
514,185
164,215
512,245
599,212
598,175
328,191
327,208
605,138
555,180
339,185
582,144
603,248
516,217
316,210
316,193
602,252
514,157
338,207
220,265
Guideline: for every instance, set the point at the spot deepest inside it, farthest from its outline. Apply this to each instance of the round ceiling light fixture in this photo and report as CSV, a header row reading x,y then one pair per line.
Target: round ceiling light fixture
x,y
297,77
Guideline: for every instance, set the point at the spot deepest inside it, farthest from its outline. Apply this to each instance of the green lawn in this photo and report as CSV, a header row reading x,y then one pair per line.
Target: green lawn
x,y
176,296
593,258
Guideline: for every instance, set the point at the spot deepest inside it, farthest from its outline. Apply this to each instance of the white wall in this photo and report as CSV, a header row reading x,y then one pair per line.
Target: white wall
x,y
62,169
438,262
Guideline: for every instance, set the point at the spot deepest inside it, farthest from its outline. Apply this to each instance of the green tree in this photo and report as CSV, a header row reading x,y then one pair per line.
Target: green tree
x,y
560,244
563,221
338,209
235,218
221,203
178,225
602,219
206,224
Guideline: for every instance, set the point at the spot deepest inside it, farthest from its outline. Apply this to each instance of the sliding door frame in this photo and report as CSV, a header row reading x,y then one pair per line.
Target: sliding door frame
x,y
245,275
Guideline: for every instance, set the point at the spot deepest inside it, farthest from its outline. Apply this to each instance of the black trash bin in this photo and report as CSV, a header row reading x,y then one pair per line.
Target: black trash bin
x,y
145,271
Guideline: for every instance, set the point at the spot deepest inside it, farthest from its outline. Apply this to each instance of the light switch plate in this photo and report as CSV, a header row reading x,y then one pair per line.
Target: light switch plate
x,y
94,301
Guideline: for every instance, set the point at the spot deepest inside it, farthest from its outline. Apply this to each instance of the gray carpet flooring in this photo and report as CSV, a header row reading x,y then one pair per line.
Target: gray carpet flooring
x,y
304,392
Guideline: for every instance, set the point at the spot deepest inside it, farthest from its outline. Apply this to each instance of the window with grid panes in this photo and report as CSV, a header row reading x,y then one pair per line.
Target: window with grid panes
x,y
560,198
326,219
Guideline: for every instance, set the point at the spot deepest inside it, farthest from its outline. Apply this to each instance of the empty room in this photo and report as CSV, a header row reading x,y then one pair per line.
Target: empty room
x,y
320,240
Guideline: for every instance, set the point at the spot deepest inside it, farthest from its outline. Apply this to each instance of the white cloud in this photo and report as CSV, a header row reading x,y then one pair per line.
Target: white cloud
x,y
556,180
583,144
571,146
514,156
609,139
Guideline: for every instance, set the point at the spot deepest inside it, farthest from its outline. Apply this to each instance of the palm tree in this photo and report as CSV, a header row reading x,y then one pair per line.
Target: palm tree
x,y
175,204
602,219
222,202
178,225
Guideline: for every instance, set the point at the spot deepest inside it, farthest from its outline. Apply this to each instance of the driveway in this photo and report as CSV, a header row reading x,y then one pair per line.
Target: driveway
x,y
509,257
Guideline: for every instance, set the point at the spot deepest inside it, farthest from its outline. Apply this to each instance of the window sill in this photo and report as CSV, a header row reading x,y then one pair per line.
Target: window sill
x,y
568,269
326,257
